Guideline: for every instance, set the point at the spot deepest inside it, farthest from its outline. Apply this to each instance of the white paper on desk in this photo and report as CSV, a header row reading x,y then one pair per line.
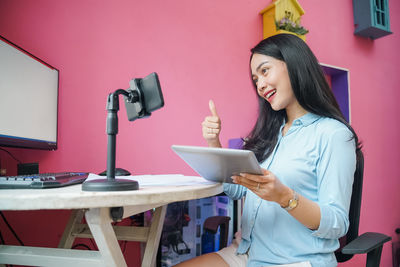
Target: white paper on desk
x,y
157,180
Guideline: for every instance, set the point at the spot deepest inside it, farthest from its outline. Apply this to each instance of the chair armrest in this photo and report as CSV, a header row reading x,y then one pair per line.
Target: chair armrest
x,y
366,243
212,223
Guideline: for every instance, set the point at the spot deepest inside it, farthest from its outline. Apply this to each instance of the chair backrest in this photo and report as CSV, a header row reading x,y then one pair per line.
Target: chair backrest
x,y
355,207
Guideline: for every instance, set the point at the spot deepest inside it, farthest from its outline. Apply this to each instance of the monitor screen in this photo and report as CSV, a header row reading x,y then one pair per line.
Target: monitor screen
x,y
28,99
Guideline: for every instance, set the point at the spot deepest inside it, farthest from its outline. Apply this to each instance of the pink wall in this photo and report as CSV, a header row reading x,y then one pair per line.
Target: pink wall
x,y
200,50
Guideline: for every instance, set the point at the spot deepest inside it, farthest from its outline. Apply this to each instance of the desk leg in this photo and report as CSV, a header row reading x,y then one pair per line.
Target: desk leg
x,y
99,222
68,237
150,253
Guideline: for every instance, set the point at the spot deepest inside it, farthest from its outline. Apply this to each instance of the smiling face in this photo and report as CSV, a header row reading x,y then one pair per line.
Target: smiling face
x,y
272,81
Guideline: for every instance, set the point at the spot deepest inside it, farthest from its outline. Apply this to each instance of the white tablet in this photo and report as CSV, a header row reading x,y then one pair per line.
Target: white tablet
x,y
218,164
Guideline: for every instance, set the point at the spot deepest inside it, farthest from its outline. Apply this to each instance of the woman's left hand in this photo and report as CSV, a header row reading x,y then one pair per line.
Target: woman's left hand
x,y
267,186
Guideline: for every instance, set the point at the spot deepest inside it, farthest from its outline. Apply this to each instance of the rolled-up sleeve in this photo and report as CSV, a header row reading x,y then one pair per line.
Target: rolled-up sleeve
x,y
335,172
234,191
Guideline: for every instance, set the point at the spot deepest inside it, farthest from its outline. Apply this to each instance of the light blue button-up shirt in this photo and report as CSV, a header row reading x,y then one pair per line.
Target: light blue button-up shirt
x,y
317,159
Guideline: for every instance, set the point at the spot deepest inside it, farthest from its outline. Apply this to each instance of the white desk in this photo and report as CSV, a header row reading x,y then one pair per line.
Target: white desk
x,y
96,206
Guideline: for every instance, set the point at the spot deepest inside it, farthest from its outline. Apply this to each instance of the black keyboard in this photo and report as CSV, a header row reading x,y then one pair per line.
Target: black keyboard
x,y
44,180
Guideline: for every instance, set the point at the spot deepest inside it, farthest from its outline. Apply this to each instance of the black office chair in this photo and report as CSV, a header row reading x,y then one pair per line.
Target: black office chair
x,y
210,227
350,244
370,243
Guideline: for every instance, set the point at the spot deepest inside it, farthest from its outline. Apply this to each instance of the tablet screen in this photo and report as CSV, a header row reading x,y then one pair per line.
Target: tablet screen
x,y
218,164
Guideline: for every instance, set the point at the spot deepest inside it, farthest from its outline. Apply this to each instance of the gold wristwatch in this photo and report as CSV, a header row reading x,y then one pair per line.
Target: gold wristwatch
x,y
293,202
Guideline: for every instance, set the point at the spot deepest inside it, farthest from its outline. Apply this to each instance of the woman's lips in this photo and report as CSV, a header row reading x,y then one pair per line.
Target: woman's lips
x,y
269,94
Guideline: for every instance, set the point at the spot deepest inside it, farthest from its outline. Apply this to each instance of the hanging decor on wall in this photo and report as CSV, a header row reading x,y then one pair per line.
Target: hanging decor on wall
x,y
371,18
283,16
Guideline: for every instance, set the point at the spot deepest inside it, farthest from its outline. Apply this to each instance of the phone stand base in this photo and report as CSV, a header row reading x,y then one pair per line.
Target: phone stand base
x,y
110,185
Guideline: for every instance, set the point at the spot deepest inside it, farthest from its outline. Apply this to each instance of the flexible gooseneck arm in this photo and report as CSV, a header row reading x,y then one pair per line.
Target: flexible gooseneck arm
x,y
112,126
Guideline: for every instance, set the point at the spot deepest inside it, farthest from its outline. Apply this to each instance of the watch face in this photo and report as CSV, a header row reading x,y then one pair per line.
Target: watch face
x,y
293,203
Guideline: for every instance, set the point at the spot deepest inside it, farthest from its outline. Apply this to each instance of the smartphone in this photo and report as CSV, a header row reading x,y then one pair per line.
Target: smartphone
x,y
150,97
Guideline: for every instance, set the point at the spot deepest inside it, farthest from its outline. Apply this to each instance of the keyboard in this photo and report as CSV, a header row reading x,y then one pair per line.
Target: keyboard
x,y
44,180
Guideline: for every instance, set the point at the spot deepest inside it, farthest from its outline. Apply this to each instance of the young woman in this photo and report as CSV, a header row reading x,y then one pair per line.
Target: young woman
x,y
298,209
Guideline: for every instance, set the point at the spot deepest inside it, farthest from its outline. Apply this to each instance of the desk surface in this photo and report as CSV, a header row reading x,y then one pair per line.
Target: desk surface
x,y
72,197
97,213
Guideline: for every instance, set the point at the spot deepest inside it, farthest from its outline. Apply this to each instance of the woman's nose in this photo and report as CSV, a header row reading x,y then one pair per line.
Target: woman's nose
x,y
261,85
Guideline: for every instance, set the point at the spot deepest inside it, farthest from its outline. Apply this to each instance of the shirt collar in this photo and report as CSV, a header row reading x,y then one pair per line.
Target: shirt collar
x,y
306,119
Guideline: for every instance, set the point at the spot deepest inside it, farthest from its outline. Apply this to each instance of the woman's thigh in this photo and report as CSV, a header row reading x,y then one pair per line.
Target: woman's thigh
x,y
226,257
210,259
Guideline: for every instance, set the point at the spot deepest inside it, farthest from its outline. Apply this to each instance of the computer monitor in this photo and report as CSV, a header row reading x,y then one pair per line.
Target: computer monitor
x,y
28,99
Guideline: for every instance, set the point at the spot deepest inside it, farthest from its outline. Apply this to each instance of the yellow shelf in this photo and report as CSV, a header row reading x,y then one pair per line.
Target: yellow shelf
x,y
277,10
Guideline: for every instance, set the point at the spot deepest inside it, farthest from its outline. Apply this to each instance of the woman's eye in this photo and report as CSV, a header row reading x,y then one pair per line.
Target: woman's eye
x,y
264,70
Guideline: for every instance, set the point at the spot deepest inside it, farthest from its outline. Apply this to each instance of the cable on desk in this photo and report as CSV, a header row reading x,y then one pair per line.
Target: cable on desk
x,y
2,242
11,155
11,229
1,239
81,245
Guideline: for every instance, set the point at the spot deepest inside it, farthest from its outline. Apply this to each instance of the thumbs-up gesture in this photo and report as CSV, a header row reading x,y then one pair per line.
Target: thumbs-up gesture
x,y
212,127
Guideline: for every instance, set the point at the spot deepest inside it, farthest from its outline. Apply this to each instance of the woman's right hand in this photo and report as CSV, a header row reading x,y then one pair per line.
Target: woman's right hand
x,y
212,127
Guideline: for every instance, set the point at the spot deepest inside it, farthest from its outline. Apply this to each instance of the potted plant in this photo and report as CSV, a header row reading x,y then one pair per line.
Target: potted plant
x,y
288,25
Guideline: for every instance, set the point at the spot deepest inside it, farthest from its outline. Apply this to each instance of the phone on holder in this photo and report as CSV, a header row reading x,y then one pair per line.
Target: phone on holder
x,y
150,96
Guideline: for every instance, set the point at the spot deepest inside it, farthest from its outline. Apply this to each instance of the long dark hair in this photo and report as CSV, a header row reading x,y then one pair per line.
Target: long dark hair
x,y
309,87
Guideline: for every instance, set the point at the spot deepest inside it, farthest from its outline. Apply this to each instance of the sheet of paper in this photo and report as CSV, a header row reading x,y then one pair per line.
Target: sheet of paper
x,y
157,180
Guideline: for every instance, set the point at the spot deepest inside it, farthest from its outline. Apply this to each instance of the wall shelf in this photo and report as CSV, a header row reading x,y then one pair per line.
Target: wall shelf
x,y
339,79
371,18
278,10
